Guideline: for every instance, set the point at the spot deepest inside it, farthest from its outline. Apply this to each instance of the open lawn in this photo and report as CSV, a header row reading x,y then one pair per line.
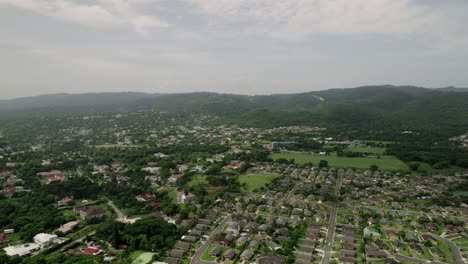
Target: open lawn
x,y
384,163
143,258
256,181
197,179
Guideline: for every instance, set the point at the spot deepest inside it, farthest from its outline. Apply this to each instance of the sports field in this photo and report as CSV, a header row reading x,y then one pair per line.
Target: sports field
x,y
384,163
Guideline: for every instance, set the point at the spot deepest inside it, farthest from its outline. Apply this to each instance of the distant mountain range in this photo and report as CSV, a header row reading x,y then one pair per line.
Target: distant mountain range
x,y
369,106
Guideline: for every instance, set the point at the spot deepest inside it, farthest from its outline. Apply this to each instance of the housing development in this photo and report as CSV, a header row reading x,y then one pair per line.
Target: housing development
x,y
105,189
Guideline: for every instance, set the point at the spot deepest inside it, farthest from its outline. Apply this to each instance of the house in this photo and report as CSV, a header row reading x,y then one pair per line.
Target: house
x,y
380,244
182,167
271,259
191,239
376,254
4,239
183,245
307,257
370,232
21,250
416,247
221,240
176,253
454,229
183,196
215,251
145,197
391,233
92,212
254,244
154,204
241,241
54,173
55,179
195,232
246,255
44,240
66,228
347,253
347,260
64,201
173,178
171,260
229,254
431,226
91,251
272,245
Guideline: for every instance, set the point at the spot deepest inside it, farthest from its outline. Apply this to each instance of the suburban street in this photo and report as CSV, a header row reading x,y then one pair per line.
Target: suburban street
x,y
331,226
196,259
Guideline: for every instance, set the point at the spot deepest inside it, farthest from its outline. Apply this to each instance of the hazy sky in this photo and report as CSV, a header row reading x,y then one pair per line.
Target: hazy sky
x,y
234,46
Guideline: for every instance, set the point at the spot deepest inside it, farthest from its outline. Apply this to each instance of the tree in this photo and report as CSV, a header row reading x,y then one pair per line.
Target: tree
x,y
374,167
323,163
414,166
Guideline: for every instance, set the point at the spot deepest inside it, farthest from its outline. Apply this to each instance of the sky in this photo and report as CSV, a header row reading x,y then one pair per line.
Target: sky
x,y
229,46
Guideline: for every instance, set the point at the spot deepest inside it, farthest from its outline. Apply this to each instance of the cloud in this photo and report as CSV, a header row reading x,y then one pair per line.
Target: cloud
x,y
299,19
96,13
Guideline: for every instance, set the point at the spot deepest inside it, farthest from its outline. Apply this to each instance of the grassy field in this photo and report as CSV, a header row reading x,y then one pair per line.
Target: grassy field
x,y
384,163
377,151
143,258
197,180
256,181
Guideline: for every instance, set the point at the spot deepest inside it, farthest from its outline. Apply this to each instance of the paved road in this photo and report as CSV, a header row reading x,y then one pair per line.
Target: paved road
x,y
196,259
331,226
119,213
455,251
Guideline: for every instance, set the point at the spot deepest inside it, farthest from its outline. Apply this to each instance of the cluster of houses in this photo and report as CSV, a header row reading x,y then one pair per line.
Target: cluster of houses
x,y
52,176
185,247
11,184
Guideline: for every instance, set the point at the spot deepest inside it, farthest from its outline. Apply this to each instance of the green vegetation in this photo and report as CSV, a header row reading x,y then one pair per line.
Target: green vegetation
x,y
383,163
143,258
370,150
197,179
256,181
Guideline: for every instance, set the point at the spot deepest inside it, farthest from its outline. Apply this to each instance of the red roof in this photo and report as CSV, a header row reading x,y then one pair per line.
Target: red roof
x,y
51,173
454,228
147,197
5,173
93,211
9,188
177,176
60,179
91,251
154,204
3,239
391,233
122,246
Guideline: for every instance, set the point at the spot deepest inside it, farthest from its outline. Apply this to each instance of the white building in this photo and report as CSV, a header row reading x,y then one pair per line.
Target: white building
x,y
44,240
22,250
